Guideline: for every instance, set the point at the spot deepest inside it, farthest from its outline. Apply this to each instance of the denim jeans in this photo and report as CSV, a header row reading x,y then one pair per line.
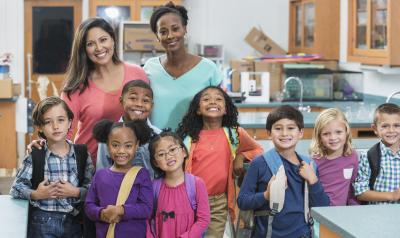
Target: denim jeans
x,y
44,224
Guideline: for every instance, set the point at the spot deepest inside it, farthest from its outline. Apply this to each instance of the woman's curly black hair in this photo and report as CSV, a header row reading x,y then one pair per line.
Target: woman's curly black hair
x,y
154,142
140,128
192,122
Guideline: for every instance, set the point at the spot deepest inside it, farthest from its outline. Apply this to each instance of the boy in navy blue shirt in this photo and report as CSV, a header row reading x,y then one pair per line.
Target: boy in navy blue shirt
x,y
285,128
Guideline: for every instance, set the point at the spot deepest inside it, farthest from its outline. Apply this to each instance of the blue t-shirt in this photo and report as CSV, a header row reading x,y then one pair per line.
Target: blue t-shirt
x,y
172,96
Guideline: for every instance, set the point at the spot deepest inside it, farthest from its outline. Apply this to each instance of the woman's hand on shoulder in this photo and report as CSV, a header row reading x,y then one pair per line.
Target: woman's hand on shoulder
x,y
35,143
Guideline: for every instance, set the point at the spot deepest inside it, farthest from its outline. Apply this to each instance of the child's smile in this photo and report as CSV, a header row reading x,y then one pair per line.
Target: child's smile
x,y
137,103
212,104
122,144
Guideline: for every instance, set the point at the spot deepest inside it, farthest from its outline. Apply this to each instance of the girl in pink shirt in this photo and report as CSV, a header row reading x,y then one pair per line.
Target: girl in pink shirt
x,y
336,159
180,200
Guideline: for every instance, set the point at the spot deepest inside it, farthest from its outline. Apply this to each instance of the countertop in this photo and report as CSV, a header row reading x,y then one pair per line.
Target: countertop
x,y
368,100
13,217
367,221
358,113
258,119
303,145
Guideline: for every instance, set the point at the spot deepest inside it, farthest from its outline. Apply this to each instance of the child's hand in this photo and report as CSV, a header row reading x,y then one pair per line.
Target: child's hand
x,y
266,192
112,214
35,143
238,165
65,189
45,190
396,194
306,171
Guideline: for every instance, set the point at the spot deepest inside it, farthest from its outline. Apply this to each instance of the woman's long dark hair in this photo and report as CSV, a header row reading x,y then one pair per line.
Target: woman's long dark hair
x,y
80,66
192,123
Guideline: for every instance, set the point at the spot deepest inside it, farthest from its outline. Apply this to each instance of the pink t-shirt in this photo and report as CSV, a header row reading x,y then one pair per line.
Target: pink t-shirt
x,y
337,176
95,104
186,222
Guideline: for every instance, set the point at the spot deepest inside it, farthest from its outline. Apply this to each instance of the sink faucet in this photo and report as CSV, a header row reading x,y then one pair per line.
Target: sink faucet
x,y
392,95
298,80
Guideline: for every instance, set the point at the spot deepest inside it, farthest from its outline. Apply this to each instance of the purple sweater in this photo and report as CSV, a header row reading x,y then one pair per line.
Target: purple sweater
x,y
138,207
337,176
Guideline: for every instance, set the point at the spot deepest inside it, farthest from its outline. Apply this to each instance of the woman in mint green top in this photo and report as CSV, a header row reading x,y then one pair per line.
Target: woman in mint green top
x,y
176,76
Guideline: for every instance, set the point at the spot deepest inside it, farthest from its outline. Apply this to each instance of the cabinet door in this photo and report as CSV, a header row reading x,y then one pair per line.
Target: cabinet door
x,y
379,10
8,138
361,24
49,30
368,31
309,23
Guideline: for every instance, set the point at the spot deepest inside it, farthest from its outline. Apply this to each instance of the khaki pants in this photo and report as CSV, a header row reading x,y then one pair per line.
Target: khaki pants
x,y
219,214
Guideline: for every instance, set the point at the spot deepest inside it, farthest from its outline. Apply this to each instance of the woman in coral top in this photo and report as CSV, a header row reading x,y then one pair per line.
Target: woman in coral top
x,y
94,80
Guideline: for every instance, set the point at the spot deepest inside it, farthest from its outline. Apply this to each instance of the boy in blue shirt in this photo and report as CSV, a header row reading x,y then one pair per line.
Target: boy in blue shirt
x,y
137,102
285,128
384,187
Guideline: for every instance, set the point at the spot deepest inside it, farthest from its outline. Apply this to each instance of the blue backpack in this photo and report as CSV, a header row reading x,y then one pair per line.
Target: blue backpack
x,y
274,162
190,184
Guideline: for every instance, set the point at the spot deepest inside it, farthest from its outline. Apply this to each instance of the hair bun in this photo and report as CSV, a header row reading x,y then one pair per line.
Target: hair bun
x,y
166,129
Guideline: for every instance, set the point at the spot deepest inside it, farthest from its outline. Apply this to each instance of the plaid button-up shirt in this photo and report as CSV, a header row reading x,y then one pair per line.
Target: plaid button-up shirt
x,y
388,179
55,169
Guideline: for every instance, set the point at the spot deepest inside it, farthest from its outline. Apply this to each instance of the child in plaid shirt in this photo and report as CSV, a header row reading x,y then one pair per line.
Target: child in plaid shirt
x,y
386,188
54,201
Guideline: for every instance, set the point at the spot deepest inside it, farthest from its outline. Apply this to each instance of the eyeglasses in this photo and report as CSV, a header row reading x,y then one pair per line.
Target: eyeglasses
x,y
171,152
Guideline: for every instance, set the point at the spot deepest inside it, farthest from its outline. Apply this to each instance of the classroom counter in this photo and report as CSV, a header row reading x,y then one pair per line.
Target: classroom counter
x,y
368,221
13,217
302,146
252,116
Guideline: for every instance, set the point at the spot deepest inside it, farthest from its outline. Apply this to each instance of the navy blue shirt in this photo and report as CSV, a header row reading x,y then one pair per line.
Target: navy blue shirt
x,y
290,221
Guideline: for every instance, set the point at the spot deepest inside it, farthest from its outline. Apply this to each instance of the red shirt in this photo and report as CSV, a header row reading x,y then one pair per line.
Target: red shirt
x,y
211,159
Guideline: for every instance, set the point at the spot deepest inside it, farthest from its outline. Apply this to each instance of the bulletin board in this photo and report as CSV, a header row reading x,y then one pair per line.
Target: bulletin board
x,y
137,36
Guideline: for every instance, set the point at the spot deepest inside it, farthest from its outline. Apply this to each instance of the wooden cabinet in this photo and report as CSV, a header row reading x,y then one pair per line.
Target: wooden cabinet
x,y
129,10
8,138
314,27
374,32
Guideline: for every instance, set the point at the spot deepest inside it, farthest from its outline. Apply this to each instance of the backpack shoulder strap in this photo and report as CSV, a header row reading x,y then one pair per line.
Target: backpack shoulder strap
x,y
156,189
156,192
233,146
374,160
273,160
187,141
308,160
38,161
81,155
123,193
190,184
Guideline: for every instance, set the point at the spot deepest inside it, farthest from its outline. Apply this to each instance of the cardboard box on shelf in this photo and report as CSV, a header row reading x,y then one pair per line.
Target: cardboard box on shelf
x,y
275,70
262,43
237,67
6,88
140,39
16,89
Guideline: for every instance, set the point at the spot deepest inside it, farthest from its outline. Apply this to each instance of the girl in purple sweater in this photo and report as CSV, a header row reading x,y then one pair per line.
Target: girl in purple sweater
x,y
101,206
336,159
